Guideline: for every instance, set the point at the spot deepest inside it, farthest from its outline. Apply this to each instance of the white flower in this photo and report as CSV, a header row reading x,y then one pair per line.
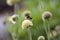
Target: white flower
x,y
53,34
11,2
41,38
26,24
46,15
13,18
26,13
57,28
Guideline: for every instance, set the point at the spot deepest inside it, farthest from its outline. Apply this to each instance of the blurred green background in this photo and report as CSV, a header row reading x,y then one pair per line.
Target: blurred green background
x,y
37,7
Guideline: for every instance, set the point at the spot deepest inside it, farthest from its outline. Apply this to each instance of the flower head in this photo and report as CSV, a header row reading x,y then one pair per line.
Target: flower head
x,y
53,34
27,15
26,24
57,28
12,2
13,18
41,38
46,15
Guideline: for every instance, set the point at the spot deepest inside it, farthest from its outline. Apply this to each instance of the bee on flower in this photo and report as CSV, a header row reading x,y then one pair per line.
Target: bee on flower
x,y
41,38
26,24
27,15
12,2
46,15
12,19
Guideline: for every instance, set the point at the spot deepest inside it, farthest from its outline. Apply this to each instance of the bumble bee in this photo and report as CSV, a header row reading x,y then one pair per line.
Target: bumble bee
x,y
27,16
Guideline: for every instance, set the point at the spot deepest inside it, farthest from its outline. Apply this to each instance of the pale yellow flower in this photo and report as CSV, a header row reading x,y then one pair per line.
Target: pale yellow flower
x,y
26,24
41,38
27,12
27,15
12,19
46,15
57,28
12,2
53,34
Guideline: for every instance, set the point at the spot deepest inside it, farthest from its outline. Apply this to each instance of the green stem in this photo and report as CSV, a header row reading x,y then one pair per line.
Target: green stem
x,y
16,31
45,28
48,31
15,12
29,34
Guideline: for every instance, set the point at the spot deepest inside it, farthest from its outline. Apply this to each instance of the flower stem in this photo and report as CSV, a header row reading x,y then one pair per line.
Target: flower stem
x,y
45,28
48,31
29,34
15,12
